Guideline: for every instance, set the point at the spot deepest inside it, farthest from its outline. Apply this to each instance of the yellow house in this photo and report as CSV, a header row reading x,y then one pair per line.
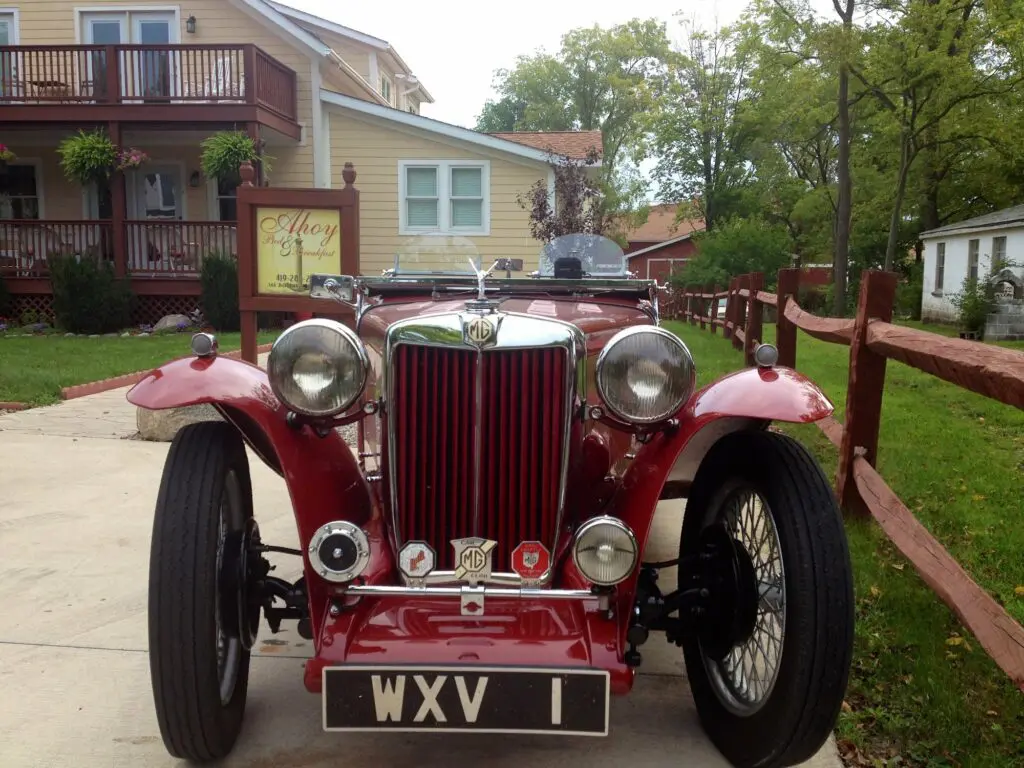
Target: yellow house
x,y
161,77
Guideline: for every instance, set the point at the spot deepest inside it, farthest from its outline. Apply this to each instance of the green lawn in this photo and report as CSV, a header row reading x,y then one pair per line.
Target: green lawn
x,y
922,689
952,331
34,369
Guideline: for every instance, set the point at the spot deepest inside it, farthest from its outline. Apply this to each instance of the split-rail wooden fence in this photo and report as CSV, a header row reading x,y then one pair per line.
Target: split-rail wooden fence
x,y
994,372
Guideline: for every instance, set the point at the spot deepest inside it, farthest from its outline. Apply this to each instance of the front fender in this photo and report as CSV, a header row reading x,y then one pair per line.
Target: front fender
x,y
742,400
323,478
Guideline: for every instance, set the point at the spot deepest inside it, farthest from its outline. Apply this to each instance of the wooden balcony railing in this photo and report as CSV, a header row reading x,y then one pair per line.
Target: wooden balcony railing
x,y
146,74
152,248
175,248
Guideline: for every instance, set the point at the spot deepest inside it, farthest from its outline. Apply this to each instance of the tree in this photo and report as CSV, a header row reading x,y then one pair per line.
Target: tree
x,y
599,79
697,135
736,247
579,205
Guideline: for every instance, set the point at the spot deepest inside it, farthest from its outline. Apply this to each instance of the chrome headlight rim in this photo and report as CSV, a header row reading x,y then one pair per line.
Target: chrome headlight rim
x,y
602,359
352,532
614,522
354,342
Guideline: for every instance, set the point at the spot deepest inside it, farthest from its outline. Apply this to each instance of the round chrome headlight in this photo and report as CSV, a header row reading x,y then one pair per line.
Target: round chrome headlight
x,y
605,551
317,367
645,374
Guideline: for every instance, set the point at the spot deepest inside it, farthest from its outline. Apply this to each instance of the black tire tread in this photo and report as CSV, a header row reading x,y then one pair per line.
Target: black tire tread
x,y
193,722
811,696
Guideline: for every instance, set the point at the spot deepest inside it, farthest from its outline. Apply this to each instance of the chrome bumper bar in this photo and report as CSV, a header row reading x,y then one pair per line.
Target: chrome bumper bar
x,y
472,598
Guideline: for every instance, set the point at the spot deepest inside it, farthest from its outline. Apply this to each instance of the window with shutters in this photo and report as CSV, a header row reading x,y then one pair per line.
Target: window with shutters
x,y
444,197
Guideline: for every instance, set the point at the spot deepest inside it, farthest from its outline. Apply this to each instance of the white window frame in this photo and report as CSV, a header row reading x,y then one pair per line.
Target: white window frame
x,y
127,12
973,258
390,95
997,257
37,164
940,267
15,16
213,201
444,204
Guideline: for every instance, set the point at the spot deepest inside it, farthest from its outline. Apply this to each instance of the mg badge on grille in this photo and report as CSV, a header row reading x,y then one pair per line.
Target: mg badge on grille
x,y
473,558
480,331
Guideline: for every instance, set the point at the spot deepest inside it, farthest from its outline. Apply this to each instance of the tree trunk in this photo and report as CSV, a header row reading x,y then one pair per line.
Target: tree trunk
x,y
897,206
844,206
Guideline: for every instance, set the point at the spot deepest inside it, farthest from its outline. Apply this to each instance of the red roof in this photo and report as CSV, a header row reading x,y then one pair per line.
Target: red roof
x,y
574,144
661,225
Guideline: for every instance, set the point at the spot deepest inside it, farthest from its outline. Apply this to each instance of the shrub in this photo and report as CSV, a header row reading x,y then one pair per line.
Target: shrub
x,y
5,297
219,279
909,293
973,304
87,297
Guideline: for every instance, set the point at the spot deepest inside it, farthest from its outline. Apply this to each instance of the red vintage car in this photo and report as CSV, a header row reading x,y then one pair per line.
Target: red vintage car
x,y
476,562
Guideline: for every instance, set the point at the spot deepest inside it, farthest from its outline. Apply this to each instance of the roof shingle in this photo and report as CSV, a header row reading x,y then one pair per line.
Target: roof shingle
x,y
661,225
572,144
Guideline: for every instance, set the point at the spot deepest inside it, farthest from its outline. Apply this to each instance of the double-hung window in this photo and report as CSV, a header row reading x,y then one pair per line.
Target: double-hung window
x,y
444,197
972,259
998,253
940,266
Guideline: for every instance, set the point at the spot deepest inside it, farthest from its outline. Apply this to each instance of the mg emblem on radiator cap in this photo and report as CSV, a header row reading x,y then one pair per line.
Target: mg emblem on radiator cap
x,y
480,331
473,558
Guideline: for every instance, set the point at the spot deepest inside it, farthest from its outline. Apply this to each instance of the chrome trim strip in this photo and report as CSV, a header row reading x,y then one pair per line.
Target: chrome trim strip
x,y
524,593
514,331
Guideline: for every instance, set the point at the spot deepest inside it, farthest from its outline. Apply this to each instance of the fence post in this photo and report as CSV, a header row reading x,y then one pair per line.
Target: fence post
x,y
713,308
785,331
755,312
700,308
866,384
729,307
738,313
691,314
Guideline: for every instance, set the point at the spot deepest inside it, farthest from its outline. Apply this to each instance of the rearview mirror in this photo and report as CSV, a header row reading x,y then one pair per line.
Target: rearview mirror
x,y
340,288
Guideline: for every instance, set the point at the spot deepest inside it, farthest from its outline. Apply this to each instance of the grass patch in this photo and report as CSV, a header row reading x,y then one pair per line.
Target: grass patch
x,y
953,332
34,369
921,688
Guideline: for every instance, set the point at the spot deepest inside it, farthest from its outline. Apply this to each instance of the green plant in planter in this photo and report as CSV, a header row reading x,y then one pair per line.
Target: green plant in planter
x,y
88,156
224,152
973,305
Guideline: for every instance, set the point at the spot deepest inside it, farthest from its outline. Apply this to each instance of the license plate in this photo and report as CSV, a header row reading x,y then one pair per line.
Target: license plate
x,y
484,700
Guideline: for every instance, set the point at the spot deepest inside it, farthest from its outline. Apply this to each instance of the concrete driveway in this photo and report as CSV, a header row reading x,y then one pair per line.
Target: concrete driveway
x,y
76,501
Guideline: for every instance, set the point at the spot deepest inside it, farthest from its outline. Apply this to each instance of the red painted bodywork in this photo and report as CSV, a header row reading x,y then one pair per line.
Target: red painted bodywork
x,y
325,483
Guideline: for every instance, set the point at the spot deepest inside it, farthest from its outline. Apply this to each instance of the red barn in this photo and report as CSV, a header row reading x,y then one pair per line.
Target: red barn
x,y
661,246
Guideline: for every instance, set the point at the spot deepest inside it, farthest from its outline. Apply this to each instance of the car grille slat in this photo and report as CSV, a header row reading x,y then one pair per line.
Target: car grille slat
x,y
435,450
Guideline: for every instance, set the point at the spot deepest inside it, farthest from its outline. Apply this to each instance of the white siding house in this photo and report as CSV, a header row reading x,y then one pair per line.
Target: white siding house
x,y
953,250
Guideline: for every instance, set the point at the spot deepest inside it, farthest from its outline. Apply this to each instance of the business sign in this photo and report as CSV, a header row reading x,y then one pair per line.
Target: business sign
x,y
292,244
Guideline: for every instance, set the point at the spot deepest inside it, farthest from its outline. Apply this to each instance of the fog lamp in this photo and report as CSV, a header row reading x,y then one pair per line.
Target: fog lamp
x,y
605,551
339,551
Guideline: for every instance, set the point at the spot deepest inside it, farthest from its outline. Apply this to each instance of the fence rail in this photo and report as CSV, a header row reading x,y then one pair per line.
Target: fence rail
x,y
994,372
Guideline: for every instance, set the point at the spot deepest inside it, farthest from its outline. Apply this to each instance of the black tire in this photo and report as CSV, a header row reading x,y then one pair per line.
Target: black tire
x,y
798,711
205,466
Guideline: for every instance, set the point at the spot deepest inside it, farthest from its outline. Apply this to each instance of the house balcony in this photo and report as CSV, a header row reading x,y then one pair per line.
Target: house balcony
x,y
186,84
159,257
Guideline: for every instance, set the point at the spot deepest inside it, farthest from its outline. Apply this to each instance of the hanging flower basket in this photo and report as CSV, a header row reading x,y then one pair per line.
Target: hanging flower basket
x,y
225,151
88,157
6,155
130,159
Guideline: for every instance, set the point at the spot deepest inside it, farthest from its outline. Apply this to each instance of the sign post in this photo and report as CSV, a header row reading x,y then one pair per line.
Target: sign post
x,y
286,235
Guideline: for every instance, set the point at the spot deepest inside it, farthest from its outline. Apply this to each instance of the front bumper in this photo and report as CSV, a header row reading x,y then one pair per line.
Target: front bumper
x,y
525,630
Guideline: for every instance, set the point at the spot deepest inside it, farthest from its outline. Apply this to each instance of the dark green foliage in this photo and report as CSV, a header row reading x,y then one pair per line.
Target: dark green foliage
x,y
909,293
973,304
736,247
87,157
219,279
87,297
224,152
5,298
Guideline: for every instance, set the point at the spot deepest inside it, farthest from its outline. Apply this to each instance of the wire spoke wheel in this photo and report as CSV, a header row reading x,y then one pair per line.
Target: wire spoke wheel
x,y
745,677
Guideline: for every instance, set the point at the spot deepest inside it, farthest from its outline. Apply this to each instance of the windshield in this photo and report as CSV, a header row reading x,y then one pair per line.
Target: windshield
x,y
454,255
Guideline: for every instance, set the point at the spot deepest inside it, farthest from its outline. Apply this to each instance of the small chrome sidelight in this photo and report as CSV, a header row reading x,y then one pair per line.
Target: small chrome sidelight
x,y
204,345
766,355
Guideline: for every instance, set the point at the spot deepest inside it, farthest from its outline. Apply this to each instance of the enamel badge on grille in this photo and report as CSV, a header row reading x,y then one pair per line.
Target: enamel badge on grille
x,y
416,559
473,558
480,331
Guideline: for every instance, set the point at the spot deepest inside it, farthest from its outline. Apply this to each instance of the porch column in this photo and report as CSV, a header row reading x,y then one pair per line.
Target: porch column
x,y
118,204
253,130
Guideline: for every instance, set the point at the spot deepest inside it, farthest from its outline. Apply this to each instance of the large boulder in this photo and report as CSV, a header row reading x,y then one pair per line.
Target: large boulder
x,y
163,425
171,322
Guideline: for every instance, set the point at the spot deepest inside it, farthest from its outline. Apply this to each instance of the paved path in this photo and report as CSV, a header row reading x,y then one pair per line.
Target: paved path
x,y
75,520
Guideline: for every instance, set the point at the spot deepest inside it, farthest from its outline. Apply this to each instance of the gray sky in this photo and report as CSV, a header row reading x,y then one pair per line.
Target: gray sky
x,y
455,46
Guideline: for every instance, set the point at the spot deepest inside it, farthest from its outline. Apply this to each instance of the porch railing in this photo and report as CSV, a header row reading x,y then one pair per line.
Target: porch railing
x,y
175,248
146,74
26,244
152,248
